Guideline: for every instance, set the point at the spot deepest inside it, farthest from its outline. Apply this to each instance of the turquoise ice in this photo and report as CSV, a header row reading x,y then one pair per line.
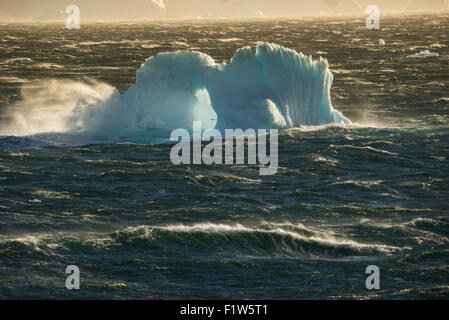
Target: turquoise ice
x,y
274,87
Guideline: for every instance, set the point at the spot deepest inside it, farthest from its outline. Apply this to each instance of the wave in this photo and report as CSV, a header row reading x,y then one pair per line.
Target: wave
x,y
273,87
283,240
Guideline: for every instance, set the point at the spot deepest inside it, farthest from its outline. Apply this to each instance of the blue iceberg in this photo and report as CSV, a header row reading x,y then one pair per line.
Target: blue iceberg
x,y
271,88
274,87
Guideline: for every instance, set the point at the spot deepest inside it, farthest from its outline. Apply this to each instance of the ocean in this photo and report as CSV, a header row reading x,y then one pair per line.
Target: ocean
x,y
345,196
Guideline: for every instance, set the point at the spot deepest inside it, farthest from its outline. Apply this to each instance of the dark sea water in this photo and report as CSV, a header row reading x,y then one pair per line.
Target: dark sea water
x,y
344,197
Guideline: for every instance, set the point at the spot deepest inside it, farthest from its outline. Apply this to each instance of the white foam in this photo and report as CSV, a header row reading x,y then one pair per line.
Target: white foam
x,y
424,54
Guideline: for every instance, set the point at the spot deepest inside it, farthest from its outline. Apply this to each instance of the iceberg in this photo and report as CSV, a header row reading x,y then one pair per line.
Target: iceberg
x,y
271,88
274,87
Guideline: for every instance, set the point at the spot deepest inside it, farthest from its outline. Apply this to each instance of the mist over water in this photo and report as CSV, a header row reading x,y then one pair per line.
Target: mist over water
x,y
345,196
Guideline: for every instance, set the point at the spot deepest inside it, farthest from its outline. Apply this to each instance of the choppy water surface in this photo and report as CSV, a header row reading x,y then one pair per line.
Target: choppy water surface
x,y
344,197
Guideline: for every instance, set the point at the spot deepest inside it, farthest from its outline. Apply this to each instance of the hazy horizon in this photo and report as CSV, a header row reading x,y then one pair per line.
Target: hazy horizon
x,y
103,10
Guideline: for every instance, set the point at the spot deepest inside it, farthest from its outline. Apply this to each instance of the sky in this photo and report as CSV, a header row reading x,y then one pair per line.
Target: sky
x,y
46,10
